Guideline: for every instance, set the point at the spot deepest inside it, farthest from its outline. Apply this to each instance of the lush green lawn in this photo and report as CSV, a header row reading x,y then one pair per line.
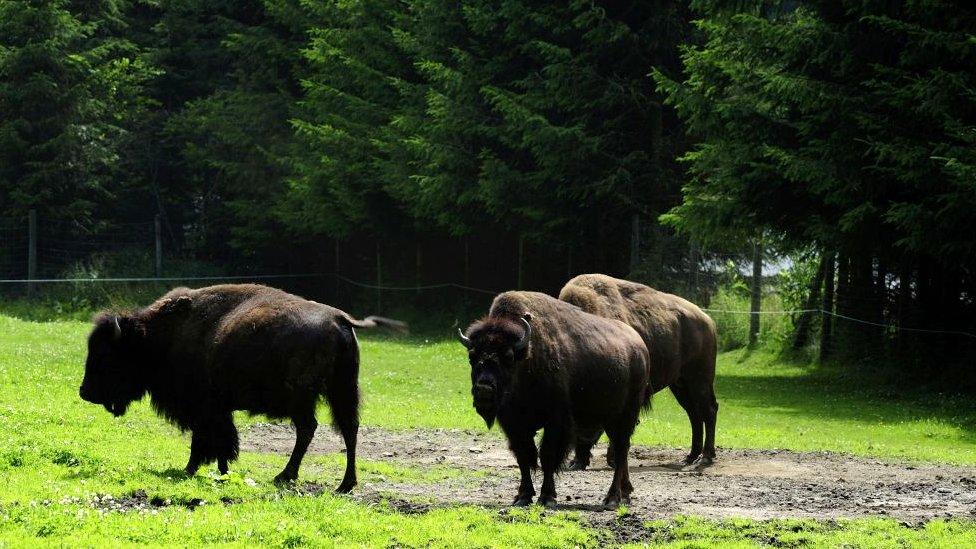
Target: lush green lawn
x,y
57,452
764,403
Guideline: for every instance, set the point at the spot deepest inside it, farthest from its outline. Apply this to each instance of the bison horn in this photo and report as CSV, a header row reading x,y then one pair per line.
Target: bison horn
x,y
116,328
465,340
524,342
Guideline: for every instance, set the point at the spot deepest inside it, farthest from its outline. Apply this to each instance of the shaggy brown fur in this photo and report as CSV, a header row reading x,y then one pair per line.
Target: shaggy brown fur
x,y
681,340
202,354
538,363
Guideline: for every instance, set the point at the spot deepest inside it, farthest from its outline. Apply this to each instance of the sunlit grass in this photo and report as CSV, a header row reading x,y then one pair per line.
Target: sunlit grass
x,y
57,452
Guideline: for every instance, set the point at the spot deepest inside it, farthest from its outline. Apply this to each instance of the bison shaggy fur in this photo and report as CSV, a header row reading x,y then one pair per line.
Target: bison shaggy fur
x,y
202,354
681,340
540,363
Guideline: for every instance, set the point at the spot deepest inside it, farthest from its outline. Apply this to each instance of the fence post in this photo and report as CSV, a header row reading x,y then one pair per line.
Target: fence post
x,y
419,273
158,227
467,261
756,304
521,249
337,273
379,278
31,250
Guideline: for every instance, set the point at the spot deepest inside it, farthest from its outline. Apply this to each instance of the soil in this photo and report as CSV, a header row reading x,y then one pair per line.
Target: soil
x,y
759,484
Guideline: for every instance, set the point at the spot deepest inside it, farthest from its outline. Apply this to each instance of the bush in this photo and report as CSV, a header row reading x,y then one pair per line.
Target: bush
x,y
733,327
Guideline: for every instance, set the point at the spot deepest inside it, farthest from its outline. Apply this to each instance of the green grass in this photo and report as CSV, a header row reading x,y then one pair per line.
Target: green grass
x,y
764,403
691,532
57,452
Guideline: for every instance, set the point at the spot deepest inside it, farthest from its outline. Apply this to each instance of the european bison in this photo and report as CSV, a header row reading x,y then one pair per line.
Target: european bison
x,y
540,363
681,340
202,354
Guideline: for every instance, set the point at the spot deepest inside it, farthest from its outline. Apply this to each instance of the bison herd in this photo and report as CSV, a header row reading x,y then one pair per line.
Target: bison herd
x,y
575,367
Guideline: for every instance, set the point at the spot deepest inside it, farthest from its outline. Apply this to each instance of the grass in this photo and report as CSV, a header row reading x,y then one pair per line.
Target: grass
x,y
57,452
765,403
692,532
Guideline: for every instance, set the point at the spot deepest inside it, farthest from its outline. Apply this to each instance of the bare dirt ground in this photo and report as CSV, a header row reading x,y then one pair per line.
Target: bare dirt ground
x,y
757,484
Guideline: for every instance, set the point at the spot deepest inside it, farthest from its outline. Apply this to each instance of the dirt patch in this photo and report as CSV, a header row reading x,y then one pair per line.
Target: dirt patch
x,y
757,484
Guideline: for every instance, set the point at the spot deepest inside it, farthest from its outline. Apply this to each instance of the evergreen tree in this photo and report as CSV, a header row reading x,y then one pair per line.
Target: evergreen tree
x,y
68,84
846,125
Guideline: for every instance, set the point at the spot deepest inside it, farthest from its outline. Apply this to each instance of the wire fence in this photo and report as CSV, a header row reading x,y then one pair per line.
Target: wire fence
x,y
67,254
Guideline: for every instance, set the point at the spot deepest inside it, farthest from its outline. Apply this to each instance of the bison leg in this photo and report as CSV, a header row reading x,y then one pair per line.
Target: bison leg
x,y
305,426
197,440
711,414
342,394
552,452
584,448
620,487
226,434
685,399
523,446
349,429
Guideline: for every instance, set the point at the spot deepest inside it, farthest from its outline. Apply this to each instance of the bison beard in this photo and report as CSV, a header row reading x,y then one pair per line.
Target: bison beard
x,y
539,363
681,340
202,354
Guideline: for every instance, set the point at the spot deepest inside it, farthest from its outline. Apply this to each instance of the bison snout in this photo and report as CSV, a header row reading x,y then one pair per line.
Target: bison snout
x,y
484,390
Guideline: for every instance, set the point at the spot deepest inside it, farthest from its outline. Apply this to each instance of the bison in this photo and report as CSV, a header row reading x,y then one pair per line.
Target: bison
x,y
681,340
540,363
202,354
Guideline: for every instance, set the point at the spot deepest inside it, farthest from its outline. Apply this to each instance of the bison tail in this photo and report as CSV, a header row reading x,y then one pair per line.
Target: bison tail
x,y
648,402
379,321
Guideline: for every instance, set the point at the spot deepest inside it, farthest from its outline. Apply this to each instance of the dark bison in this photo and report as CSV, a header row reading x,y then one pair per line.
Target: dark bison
x,y
681,340
202,354
540,363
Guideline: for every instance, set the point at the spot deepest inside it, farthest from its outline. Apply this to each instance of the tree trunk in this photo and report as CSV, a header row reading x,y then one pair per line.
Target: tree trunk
x,y
827,306
904,304
634,242
805,322
756,305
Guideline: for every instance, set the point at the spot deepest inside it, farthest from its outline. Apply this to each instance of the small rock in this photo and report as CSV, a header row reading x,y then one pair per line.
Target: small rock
x,y
475,450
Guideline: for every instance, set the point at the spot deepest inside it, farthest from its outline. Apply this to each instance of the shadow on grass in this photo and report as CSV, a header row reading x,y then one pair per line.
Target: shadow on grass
x,y
171,474
790,384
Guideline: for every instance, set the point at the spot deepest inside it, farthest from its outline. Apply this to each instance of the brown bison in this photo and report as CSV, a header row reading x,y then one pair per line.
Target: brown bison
x,y
202,354
681,340
539,363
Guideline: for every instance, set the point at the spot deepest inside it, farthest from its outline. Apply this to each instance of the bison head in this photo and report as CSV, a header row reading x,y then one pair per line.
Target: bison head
x,y
112,376
494,346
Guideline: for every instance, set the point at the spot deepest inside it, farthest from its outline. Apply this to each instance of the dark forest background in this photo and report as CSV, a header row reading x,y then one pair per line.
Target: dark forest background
x,y
511,144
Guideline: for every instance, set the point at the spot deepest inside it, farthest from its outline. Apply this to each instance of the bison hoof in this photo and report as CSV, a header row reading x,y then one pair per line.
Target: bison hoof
x,y
691,458
577,465
522,501
547,500
611,502
705,461
284,478
345,487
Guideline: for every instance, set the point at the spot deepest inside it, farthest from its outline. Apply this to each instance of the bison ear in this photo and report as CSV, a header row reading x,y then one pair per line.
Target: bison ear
x,y
129,327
